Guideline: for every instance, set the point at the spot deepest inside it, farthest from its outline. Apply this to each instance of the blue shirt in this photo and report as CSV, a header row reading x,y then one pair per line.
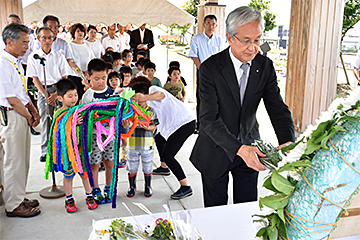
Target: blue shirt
x,y
203,47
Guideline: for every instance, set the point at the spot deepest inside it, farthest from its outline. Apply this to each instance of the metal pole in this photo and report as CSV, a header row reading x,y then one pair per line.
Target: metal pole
x,y
52,191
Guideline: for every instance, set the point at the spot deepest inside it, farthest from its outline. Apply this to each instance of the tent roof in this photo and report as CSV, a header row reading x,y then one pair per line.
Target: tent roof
x,y
138,12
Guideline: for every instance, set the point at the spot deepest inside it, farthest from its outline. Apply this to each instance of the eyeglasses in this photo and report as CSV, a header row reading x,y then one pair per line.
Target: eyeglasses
x,y
46,38
248,42
211,24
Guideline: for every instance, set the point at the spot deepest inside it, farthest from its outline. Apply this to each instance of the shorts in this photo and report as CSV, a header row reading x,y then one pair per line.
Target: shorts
x,y
97,155
124,130
69,174
146,160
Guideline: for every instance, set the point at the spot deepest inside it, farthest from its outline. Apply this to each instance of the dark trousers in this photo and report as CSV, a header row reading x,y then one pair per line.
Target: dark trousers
x,y
244,185
197,100
168,149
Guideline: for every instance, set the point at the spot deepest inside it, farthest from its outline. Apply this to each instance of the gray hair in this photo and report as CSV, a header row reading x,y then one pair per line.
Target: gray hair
x,y
44,28
13,15
13,30
242,16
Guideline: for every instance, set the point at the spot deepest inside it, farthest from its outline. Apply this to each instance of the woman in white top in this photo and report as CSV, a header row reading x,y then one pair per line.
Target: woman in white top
x,y
82,53
94,44
176,124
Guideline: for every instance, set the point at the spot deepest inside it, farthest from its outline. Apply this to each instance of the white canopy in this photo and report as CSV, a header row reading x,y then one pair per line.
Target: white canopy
x,y
138,12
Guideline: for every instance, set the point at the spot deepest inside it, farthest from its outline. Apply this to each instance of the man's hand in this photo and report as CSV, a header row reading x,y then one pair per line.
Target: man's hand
x,y
52,98
283,145
30,120
250,157
36,118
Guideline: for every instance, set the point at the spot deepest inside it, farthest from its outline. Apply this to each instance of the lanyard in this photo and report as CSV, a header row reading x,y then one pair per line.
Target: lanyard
x,y
23,79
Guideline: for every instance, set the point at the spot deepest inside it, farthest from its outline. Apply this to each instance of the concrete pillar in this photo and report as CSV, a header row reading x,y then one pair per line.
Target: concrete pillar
x,y
7,7
313,56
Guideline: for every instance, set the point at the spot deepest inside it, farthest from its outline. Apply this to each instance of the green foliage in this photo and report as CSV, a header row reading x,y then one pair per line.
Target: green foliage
x,y
351,16
283,187
191,7
269,17
119,230
272,155
163,230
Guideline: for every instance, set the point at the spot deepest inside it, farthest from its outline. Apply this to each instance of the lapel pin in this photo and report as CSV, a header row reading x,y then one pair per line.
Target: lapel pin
x,y
257,70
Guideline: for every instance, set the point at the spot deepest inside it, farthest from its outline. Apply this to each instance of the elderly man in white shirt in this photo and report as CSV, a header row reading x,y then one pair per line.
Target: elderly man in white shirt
x,y
56,67
124,38
112,40
15,135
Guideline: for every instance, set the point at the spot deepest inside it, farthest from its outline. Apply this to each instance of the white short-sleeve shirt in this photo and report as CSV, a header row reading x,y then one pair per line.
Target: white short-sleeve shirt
x,y
56,67
171,112
115,43
59,45
96,48
11,84
82,54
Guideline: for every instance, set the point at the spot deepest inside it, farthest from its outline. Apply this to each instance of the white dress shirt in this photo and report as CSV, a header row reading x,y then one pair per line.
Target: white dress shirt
x,y
56,67
142,32
125,41
11,82
115,43
237,64
59,45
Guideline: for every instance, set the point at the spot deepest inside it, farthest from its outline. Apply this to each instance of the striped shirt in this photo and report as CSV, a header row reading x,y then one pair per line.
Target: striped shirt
x,y
143,139
203,47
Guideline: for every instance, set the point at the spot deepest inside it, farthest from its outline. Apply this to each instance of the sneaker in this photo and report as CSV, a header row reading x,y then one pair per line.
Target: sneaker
x,y
161,171
123,163
70,205
107,194
90,201
96,192
182,193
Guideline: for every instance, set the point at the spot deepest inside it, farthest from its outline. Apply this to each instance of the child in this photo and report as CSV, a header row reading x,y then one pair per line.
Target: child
x,y
113,80
150,69
116,61
126,74
141,54
67,95
127,58
99,90
140,67
175,87
176,64
141,145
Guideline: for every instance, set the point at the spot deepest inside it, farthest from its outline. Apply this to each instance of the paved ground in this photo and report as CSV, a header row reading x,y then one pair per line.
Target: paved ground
x,y
55,223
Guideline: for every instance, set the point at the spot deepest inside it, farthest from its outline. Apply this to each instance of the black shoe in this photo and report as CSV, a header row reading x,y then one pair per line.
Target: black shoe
x,y
43,158
161,171
33,132
183,192
196,131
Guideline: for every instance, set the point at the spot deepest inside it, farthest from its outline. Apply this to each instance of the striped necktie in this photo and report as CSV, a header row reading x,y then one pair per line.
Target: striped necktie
x,y
243,80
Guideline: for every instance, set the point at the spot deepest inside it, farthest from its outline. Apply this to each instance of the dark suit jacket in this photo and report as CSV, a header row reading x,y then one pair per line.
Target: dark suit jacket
x,y
222,117
135,39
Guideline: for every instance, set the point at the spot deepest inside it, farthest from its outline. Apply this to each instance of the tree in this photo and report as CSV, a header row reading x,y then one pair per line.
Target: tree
x,y
191,8
269,17
351,17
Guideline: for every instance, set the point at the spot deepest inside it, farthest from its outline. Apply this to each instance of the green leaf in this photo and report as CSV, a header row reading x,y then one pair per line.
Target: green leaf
x,y
291,146
280,213
273,234
275,221
349,118
283,229
281,183
261,232
268,185
294,165
275,201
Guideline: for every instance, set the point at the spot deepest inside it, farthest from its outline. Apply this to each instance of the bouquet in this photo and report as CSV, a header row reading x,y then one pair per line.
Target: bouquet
x,y
314,184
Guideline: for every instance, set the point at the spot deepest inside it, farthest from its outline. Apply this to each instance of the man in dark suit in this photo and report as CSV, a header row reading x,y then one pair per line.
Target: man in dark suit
x,y
141,38
230,94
